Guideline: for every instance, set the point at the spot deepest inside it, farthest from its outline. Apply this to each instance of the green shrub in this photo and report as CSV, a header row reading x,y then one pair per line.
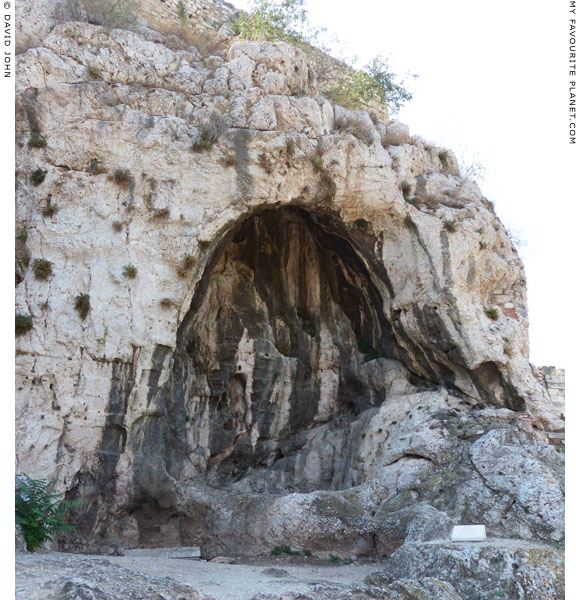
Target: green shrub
x,y
450,226
181,12
491,313
334,558
23,324
42,269
40,512
36,141
372,86
287,21
48,209
37,177
130,271
83,305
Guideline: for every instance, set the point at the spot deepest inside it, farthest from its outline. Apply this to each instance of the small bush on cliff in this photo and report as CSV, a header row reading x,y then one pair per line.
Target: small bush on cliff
x,y
373,86
83,305
39,511
23,324
110,13
42,269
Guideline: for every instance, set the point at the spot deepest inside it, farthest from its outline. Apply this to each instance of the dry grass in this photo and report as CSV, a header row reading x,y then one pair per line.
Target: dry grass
x,y
166,303
266,164
406,188
117,226
210,133
355,126
161,214
123,178
186,265
450,225
395,138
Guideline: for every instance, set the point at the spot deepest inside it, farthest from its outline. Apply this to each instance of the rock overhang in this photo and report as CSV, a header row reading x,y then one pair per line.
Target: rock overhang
x,y
424,243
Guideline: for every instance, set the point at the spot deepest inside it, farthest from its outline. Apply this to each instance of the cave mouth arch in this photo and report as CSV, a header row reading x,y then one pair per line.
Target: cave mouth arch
x,y
284,337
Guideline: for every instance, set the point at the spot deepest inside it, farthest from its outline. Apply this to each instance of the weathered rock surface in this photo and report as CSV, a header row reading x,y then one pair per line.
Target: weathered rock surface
x,y
303,327
488,570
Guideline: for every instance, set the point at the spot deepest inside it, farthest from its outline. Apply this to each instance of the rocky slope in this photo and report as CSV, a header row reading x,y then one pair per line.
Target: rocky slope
x,y
267,319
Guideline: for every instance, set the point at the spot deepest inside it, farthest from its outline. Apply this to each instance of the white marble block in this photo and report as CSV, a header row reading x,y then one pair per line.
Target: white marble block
x,y
468,533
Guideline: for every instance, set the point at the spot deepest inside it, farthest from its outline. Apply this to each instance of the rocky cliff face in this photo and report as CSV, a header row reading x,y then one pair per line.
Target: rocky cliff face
x,y
267,319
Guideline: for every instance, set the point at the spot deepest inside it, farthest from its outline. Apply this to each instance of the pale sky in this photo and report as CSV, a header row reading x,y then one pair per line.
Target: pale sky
x,y
493,87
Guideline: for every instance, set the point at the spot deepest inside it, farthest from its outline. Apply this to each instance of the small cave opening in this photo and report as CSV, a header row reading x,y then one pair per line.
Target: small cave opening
x,y
282,344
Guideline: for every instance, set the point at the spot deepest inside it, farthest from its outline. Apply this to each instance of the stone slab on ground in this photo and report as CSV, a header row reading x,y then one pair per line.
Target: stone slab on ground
x,y
468,533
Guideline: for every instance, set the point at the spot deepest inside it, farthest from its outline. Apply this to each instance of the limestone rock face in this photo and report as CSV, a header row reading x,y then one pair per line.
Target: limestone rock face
x,y
269,320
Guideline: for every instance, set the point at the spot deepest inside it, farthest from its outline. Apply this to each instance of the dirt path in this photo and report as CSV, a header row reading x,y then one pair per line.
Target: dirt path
x,y
244,581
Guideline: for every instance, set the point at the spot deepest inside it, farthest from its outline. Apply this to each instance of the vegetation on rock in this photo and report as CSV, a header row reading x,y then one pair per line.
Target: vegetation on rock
x,y
39,511
83,305
110,13
42,269
374,85
23,324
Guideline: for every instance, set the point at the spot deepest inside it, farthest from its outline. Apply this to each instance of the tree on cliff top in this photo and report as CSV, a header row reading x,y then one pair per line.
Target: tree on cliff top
x,y
373,86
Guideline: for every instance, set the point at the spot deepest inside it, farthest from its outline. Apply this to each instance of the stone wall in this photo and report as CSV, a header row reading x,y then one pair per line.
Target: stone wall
x,y
555,380
204,15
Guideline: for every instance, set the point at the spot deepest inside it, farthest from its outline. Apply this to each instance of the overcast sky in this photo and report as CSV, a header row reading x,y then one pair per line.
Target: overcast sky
x,y
492,85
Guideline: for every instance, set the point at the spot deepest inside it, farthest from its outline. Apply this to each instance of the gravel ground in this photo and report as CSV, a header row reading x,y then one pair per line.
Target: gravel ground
x,y
62,576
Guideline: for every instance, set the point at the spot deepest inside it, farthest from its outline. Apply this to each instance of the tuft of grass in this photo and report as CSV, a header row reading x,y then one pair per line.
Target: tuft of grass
x,y
36,141
210,133
334,558
187,263
229,161
445,158
380,430
491,313
406,189
450,225
266,164
117,226
37,177
354,125
83,305
166,303
48,209
23,324
307,553
22,236
123,178
161,214
42,269
129,271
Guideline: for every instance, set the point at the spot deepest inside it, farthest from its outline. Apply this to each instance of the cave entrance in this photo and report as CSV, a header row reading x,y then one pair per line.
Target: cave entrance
x,y
277,343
